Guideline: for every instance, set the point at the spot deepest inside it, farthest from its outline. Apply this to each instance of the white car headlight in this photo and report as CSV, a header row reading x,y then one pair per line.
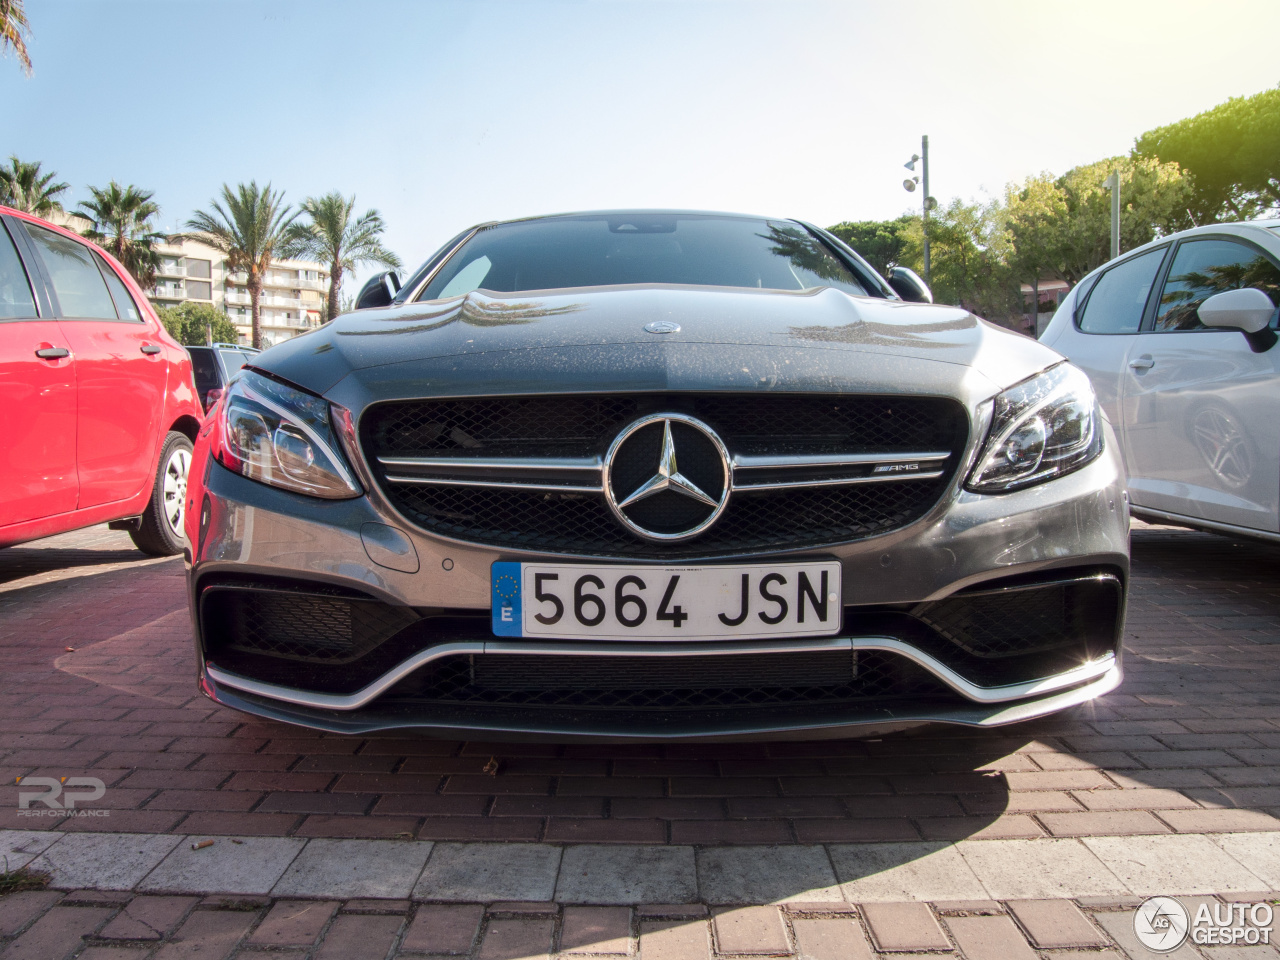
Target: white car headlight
x,y
1044,427
280,436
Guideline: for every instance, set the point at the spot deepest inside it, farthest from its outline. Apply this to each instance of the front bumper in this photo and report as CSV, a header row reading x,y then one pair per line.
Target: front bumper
x,y
254,537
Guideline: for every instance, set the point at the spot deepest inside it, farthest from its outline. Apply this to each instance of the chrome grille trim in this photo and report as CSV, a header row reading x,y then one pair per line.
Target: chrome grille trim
x,y
462,471
820,461
1090,671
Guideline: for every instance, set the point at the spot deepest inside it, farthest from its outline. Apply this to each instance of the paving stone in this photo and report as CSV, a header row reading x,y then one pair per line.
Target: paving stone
x,y
359,937
509,939
1035,869
1151,866
989,938
967,908
294,923
1257,852
480,872
831,939
354,868
208,935
444,928
893,872
1219,821
20,847
899,927
674,940
377,905
750,875
1119,926
1106,822
671,910
109,861
591,873
19,909
251,866
750,930
56,933
147,918
596,930
1056,923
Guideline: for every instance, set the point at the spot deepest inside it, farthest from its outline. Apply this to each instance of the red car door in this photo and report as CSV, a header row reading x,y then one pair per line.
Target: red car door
x,y
120,370
38,401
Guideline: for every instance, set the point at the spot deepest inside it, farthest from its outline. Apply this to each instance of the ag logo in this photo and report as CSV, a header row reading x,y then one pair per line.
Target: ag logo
x,y
1161,924
55,788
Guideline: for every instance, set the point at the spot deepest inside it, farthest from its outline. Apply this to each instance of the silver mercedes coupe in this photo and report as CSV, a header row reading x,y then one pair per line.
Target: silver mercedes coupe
x,y
656,474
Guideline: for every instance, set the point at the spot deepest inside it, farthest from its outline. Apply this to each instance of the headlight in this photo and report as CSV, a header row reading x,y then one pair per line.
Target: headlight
x,y
1042,428
283,437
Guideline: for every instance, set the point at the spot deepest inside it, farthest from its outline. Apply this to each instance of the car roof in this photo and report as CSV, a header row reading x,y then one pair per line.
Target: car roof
x,y
630,212
1249,229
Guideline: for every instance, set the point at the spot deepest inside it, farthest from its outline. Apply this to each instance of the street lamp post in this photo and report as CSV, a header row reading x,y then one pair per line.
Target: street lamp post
x,y
928,203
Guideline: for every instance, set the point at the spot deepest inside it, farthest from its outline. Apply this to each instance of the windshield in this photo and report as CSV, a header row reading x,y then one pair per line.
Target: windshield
x,y
602,250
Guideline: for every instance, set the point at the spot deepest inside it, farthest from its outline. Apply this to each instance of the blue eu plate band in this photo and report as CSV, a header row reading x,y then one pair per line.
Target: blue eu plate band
x,y
505,577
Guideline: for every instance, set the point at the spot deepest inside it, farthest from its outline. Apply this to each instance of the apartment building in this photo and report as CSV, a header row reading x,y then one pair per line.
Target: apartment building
x,y
293,291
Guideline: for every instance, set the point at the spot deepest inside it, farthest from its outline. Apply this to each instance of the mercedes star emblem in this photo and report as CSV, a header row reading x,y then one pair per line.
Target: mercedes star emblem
x,y
659,493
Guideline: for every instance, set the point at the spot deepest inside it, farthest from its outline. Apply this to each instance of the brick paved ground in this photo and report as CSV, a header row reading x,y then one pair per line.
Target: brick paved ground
x,y
95,925
1190,745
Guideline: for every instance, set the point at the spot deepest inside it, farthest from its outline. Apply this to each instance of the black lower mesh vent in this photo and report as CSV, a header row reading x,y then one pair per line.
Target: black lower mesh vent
x,y
1019,620
311,625
676,683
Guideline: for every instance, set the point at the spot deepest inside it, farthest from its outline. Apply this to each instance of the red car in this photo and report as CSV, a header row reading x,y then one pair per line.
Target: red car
x,y
98,409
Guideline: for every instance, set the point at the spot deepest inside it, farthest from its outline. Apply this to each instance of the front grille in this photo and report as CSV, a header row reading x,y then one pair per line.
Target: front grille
x,y
667,684
583,426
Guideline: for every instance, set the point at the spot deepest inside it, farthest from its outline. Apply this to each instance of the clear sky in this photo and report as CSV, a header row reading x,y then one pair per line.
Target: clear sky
x,y
443,114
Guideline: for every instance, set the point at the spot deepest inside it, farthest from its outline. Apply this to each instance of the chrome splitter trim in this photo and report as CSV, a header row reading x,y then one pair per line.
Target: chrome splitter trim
x,y
1086,672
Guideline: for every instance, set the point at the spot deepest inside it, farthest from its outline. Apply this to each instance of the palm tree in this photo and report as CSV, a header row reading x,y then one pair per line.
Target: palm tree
x,y
13,24
331,236
22,187
249,228
120,220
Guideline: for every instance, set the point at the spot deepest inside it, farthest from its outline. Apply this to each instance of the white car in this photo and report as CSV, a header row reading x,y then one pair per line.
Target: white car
x,y
1179,339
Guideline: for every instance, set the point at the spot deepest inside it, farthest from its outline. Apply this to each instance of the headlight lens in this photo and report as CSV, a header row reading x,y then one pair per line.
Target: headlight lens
x,y
1042,428
283,437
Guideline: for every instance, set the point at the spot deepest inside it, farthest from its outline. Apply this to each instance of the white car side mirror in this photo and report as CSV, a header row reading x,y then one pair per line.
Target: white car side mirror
x,y
1248,310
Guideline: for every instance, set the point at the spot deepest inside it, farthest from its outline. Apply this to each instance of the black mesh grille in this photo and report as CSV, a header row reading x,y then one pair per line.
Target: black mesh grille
x,y
1030,618
676,683
583,426
311,625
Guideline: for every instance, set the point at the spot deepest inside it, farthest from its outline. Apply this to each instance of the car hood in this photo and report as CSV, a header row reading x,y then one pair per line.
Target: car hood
x,y
596,338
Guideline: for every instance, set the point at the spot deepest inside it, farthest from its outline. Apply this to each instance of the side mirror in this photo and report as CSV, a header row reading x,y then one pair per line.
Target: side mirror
x,y
907,284
379,291
212,397
1248,310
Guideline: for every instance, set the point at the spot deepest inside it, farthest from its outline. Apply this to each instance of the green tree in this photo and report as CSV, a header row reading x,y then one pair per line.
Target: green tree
x,y
1035,217
969,249
330,235
879,242
195,324
15,31
1153,203
23,188
120,220
1231,152
249,227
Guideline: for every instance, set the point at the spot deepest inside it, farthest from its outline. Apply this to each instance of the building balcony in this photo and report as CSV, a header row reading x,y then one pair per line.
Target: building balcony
x,y
170,269
167,291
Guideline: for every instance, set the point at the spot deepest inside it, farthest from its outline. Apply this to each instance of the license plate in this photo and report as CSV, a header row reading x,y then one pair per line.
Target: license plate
x,y
740,601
